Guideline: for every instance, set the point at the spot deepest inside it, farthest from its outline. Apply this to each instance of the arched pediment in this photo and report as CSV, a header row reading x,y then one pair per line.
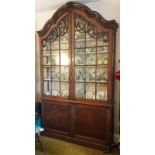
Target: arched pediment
x,y
70,6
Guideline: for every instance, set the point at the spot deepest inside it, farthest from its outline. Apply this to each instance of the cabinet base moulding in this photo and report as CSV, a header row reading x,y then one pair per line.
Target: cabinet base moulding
x,y
103,147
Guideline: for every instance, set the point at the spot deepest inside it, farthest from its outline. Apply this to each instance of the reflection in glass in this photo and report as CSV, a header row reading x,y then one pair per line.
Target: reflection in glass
x,y
79,90
55,89
64,58
64,89
47,87
101,92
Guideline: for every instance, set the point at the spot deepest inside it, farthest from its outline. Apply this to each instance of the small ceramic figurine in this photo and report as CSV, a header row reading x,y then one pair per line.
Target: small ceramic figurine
x,y
100,95
90,95
65,93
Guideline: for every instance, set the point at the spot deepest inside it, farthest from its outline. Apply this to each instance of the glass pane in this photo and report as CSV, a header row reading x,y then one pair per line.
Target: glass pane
x,y
55,57
79,39
101,74
46,60
102,58
64,57
64,45
64,41
80,51
101,92
79,44
55,88
90,50
91,59
90,42
90,74
55,73
103,40
102,49
80,59
80,74
79,90
47,73
47,87
90,91
79,36
64,38
46,53
55,44
46,44
64,89
64,73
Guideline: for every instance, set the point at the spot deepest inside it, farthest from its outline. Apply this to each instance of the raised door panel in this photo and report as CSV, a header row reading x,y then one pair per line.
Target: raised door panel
x,y
57,118
90,122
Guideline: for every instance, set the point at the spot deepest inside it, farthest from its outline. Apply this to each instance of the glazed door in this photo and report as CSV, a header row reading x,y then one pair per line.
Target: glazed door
x,y
56,61
90,67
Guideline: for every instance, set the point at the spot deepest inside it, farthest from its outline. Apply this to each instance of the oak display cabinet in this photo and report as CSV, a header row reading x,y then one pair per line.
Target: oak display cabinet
x,y
77,49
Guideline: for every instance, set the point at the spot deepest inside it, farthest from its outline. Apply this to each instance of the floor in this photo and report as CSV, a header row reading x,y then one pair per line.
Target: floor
x,y
58,147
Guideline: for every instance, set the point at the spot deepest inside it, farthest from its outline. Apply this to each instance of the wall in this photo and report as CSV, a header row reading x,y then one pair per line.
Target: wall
x,y
109,10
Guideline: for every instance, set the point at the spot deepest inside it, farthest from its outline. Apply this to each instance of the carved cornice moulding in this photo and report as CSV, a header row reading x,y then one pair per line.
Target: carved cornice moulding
x,y
70,6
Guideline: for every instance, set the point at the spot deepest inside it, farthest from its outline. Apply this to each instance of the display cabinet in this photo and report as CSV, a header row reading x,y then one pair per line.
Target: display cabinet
x,y
77,49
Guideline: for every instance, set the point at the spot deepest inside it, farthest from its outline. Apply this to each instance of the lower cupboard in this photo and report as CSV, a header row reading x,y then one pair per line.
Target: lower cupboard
x,y
79,123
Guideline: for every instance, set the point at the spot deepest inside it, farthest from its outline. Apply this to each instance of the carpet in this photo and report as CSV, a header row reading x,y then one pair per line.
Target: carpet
x,y
58,147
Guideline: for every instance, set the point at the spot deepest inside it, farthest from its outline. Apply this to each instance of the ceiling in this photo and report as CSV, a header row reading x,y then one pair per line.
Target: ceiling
x,y
45,5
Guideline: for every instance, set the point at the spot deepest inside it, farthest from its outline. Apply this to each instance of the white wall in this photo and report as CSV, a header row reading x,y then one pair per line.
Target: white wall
x,y
109,10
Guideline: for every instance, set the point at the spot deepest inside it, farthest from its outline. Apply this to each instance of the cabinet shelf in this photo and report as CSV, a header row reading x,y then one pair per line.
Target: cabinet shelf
x,y
61,41
101,52
91,47
55,80
94,65
77,81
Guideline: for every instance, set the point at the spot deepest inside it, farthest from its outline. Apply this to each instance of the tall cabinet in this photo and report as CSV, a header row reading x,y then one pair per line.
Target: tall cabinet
x,y
77,49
